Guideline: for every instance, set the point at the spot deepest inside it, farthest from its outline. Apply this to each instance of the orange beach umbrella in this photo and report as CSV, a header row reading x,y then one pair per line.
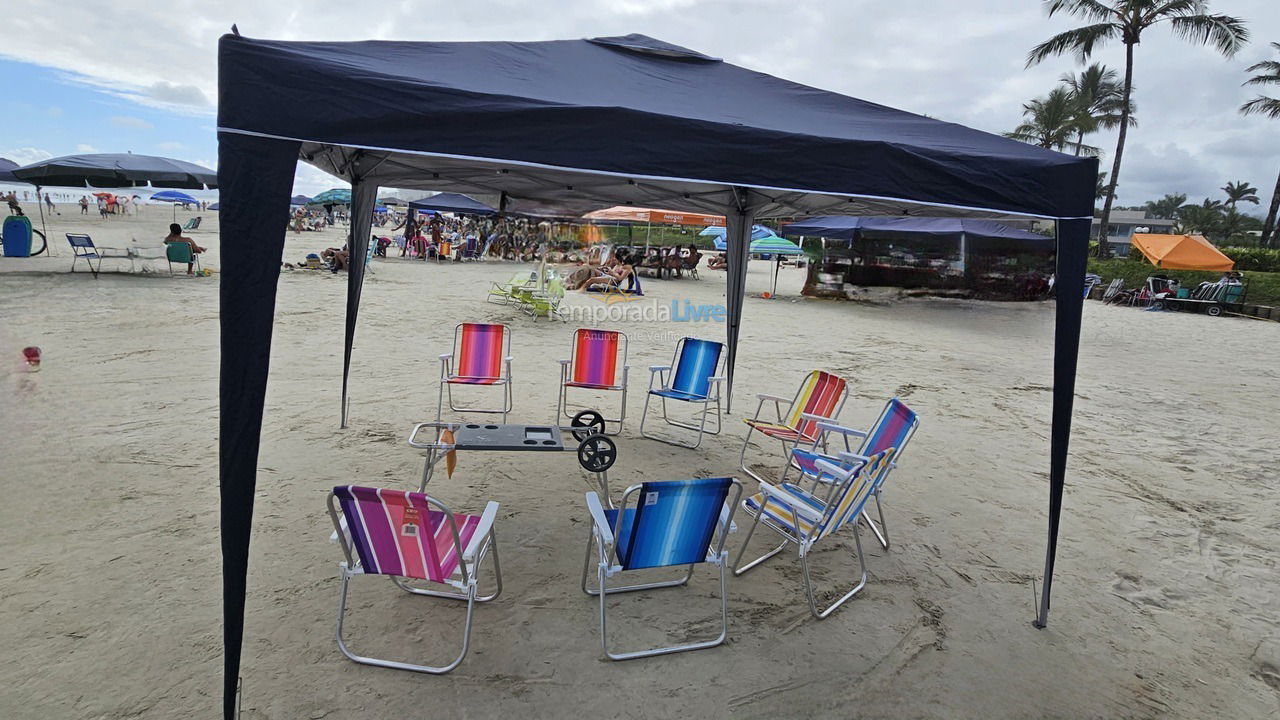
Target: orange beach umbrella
x,y
1181,252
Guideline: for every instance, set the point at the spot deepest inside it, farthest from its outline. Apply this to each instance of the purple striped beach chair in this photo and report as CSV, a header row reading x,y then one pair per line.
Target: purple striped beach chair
x,y
480,358
694,380
599,363
894,428
661,525
411,536
803,518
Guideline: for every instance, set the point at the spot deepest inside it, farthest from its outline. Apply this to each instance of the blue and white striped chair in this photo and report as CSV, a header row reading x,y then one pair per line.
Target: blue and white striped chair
x,y
696,363
803,518
676,522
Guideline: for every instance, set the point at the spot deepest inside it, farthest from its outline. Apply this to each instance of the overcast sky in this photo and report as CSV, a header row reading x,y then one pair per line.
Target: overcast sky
x,y
88,76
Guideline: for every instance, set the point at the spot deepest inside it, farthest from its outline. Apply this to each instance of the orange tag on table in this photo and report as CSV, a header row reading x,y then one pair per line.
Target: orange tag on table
x,y
451,457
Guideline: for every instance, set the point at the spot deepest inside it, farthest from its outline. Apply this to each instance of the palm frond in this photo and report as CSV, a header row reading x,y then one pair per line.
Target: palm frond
x,y
1262,105
1079,41
1086,9
1271,66
1225,33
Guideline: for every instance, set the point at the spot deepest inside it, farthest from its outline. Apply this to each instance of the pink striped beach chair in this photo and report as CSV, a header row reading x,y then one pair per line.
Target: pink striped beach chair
x,y
820,398
598,363
480,358
412,536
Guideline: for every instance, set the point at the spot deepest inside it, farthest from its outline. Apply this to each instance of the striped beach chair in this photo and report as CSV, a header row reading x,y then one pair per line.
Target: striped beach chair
x,y
660,525
893,429
694,380
598,363
820,398
804,518
481,359
411,536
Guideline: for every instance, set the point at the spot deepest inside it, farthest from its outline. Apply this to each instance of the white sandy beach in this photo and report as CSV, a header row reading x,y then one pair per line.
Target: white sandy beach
x,y
1167,595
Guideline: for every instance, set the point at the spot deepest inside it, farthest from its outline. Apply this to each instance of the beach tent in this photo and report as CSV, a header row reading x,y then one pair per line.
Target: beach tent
x,y
115,170
6,171
631,216
1181,252
299,200
451,203
485,118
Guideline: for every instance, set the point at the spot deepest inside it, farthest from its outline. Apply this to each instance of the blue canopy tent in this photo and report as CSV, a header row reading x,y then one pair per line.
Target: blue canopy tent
x,y
491,107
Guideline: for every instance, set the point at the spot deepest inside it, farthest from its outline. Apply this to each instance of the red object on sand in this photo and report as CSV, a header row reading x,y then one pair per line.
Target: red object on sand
x,y
32,354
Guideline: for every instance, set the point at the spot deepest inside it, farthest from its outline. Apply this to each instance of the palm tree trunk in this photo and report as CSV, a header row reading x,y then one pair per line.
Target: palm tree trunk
x,y
1270,236
1079,141
1104,250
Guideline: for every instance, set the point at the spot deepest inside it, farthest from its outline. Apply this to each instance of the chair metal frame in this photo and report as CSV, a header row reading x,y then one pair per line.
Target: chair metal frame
x,y
482,541
879,529
659,372
841,476
447,376
602,537
566,372
195,257
788,445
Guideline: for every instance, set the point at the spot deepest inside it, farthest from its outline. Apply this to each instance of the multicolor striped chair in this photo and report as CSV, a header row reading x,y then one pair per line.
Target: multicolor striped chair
x,y
409,535
599,363
695,381
482,359
893,429
671,523
819,399
803,518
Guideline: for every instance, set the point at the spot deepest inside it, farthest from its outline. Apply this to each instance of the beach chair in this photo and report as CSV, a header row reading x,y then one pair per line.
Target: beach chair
x,y
894,428
819,398
599,363
803,518
670,523
192,224
82,248
545,302
180,252
412,536
1116,287
694,381
482,359
505,293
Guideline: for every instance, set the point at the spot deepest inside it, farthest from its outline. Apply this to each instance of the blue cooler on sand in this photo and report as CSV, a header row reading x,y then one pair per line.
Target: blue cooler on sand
x,y
17,236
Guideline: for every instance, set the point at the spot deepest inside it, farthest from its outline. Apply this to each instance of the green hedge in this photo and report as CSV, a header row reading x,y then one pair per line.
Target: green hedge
x,y
1264,287
1253,258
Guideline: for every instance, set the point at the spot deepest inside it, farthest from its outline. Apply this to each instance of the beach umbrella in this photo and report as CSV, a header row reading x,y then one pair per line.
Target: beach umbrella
x,y
336,196
117,170
175,197
776,247
214,207
6,171
299,200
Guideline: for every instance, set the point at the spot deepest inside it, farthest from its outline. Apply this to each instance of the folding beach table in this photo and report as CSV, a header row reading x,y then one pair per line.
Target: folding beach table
x,y
596,451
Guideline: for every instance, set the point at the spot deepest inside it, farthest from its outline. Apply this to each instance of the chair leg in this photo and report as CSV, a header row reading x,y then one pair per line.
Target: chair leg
x,y
742,457
808,584
586,567
393,664
701,427
880,529
739,568
604,635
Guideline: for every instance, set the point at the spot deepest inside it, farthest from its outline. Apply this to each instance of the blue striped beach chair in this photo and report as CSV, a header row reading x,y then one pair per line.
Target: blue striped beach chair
x,y
409,537
893,429
804,519
695,380
659,525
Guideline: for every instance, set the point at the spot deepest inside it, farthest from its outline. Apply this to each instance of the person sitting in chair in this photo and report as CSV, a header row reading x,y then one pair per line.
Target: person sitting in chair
x,y
718,262
175,236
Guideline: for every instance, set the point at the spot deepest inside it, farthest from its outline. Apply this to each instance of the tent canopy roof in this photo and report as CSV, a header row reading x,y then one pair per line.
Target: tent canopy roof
x,y
452,202
539,121
1181,252
845,227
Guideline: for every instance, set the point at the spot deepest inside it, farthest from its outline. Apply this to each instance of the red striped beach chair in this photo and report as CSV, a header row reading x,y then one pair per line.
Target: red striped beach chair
x,y
411,536
820,398
598,363
893,429
481,359
803,518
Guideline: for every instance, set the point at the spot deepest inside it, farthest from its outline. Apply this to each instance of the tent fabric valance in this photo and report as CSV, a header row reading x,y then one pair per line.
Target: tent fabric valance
x,y
534,128
847,227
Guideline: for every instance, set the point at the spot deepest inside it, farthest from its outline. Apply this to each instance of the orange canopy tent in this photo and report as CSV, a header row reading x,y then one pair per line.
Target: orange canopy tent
x,y
1181,252
653,215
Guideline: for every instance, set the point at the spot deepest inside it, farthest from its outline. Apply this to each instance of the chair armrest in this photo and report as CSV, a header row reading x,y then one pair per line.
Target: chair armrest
x,y
565,362
508,358
771,398
782,496
482,531
446,356
658,368
598,517
815,418
716,379
826,426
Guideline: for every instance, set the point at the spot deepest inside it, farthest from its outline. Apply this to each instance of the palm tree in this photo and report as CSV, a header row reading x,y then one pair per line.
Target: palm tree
x,y
1125,20
1268,74
1050,121
1202,219
1097,95
1238,191
1167,206
1101,190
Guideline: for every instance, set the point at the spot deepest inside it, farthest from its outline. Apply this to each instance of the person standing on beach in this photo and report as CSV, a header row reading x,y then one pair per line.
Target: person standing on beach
x,y
48,201
14,207
84,205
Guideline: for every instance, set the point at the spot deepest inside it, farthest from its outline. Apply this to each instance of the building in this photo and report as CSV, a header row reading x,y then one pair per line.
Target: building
x,y
1124,223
